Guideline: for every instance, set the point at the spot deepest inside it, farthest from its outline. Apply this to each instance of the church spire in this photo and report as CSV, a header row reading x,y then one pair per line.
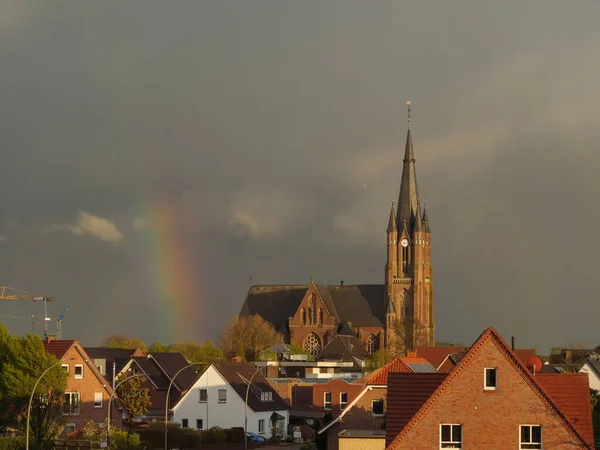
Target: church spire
x,y
408,197
418,226
392,222
425,219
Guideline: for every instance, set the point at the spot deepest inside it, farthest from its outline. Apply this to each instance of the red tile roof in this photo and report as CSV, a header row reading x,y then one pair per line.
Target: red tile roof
x,y
407,392
379,377
436,355
571,393
58,348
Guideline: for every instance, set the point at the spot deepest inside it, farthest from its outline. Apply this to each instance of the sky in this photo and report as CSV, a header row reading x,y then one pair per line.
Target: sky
x,y
158,157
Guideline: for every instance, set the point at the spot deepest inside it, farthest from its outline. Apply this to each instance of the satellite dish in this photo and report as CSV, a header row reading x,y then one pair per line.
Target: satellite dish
x,y
534,364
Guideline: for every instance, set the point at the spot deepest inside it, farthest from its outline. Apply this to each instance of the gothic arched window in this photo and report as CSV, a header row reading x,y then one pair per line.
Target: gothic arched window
x,y
312,310
372,344
312,344
320,316
303,316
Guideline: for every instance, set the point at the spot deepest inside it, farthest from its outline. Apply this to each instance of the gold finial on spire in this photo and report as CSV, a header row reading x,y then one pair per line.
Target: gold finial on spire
x,y
408,111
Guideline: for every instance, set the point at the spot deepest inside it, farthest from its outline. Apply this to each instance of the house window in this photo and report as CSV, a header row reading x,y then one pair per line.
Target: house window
x,y
450,436
222,396
199,424
78,371
327,400
97,399
491,379
184,423
531,436
343,399
377,407
266,396
134,371
69,427
261,426
66,367
203,395
71,405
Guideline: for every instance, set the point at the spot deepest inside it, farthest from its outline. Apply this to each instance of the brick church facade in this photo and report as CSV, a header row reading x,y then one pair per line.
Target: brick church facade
x,y
311,315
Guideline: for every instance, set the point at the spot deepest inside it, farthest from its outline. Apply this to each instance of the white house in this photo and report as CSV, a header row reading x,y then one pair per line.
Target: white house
x,y
592,368
217,398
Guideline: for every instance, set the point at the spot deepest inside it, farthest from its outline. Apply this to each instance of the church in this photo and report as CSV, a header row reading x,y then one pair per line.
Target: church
x,y
310,316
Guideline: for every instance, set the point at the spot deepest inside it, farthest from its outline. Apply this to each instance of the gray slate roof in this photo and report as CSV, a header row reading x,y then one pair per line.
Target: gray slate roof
x,y
362,305
237,374
343,349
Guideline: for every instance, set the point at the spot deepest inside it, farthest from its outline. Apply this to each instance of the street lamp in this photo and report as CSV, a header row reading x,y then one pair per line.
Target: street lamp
x,y
246,409
167,401
112,394
31,398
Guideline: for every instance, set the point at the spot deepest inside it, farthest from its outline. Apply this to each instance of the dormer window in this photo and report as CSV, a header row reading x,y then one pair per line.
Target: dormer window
x,y
491,379
266,396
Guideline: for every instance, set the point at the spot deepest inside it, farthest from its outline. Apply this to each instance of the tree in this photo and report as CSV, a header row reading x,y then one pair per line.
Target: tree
x,y
157,347
120,341
197,353
379,359
22,362
134,396
407,334
246,337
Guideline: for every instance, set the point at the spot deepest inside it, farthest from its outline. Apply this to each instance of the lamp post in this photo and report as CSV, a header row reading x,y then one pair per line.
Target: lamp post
x,y
31,399
112,394
167,401
246,409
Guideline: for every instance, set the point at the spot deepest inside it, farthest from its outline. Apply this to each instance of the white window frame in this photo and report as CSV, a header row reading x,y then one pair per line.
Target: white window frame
x,y
373,409
67,368
485,372
261,426
100,370
200,395
70,425
78,377
343,404
98,404
451,443
224,400
201,423
325,402
531,445
78,397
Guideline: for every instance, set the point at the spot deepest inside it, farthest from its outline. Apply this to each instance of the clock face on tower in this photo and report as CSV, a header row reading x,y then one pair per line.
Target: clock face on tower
x,y
404,242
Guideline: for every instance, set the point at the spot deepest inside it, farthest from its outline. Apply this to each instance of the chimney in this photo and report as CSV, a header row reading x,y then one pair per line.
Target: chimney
x,y
412,355
512,343
50,339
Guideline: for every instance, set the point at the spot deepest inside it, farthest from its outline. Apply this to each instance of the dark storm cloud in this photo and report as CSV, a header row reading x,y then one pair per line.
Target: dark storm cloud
x,y
275,131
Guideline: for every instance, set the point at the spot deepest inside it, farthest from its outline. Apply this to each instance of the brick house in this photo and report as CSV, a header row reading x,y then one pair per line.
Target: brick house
x,y
363,418
490,400
87,392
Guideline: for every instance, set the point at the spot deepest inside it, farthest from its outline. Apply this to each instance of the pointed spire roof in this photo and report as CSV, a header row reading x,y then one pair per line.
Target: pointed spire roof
x,y
390,306
418,225
426,228
392,222
408,197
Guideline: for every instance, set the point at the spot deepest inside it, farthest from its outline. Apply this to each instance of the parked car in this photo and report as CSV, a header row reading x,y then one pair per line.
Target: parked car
x,y
255,438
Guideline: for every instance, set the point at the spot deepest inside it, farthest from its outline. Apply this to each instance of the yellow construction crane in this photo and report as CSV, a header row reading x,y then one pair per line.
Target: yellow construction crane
x,y
24,295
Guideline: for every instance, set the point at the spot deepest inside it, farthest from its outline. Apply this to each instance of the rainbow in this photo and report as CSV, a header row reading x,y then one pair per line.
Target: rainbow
x,y
167,274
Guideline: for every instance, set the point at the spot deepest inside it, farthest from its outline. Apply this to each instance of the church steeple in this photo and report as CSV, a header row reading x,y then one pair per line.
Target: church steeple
x,y
408,197
418,226
425,219
392,222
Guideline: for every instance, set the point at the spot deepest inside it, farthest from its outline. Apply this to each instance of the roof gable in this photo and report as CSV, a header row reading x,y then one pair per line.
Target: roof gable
x,y
491,338
343,349
237,375
380,376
